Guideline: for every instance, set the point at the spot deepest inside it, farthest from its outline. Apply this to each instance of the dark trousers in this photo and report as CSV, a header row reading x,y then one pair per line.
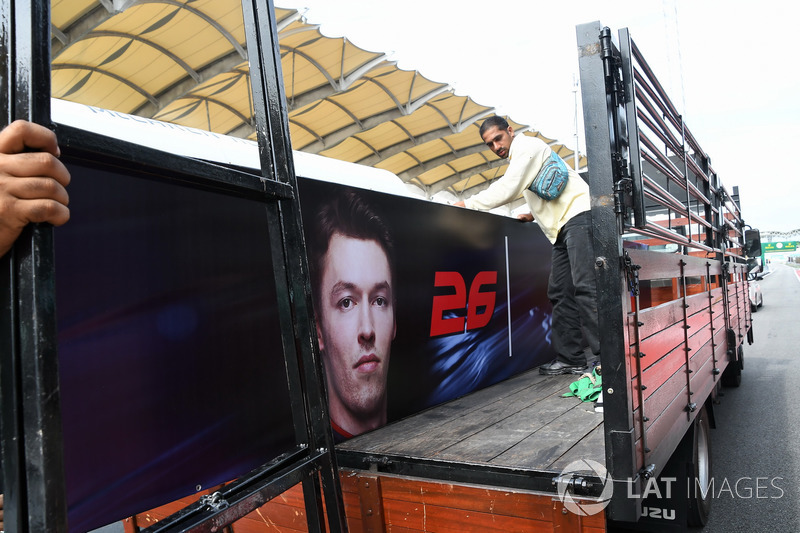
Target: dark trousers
x,y
572,290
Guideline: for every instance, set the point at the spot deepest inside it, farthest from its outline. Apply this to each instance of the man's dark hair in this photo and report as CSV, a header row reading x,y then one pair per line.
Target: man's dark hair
x,y
492,121
349,215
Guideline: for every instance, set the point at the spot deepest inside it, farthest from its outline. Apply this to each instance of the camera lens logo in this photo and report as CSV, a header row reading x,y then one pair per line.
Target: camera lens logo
x,y
571,477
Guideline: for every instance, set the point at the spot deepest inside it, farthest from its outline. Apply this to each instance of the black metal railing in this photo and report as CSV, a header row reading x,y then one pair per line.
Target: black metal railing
x,y
682,201
651,183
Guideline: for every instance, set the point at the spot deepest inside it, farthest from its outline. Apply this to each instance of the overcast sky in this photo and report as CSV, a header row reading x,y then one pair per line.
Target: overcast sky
x,y
730,66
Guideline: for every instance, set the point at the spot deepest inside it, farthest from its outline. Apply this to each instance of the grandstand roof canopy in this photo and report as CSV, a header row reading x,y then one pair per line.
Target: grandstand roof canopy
x,y
186,62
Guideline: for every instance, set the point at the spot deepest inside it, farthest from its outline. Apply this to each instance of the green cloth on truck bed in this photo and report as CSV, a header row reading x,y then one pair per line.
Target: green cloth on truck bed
x,y
587,388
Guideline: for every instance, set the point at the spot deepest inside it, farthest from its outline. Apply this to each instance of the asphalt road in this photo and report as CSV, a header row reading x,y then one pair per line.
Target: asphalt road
x,y
756,444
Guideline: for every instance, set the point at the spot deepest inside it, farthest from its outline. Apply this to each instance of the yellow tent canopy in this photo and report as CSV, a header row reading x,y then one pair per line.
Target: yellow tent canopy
x,y
186,62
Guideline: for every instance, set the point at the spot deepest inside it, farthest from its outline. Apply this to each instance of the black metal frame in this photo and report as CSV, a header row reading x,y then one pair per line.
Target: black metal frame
x,y
33,470
459,472
626,166
607,175
32,450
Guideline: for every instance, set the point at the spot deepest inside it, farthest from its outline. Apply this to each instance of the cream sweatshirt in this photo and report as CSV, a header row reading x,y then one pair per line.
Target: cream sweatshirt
x,y
526,156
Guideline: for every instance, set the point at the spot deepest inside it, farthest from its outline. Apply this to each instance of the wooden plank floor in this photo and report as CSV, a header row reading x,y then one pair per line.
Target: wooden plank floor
x,y
522,423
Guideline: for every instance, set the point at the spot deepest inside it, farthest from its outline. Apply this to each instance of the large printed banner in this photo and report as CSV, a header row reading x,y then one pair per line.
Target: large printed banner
x,y
471,303
172,370
171,367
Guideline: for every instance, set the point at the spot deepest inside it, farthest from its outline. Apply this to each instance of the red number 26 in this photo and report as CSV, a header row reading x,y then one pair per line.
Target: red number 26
x,y
459,301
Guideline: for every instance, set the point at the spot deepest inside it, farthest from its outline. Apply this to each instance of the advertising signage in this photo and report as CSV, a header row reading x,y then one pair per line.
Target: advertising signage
x,y
470,291
172,372
171,367
785,246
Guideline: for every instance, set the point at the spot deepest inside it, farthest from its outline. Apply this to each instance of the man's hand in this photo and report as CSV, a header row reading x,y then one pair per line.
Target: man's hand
x,y
32,183
525,217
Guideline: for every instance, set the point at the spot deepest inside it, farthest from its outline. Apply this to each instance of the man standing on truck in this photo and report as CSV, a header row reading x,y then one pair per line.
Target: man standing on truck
x,y
352,273
559,201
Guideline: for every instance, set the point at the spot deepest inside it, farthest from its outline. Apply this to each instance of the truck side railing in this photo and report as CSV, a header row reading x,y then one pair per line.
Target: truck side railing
x,y
669,240
676,196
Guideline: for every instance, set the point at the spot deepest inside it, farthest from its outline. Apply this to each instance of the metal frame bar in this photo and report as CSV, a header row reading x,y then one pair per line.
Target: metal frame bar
x,y
619,188
99,150
33,469
709,292
303,463
448,471
236,500
599,112
693,176
35,493
686,349
297,325
637,173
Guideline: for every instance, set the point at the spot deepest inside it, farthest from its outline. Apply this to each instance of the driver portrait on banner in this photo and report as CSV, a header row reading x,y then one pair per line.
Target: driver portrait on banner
x,y
351,256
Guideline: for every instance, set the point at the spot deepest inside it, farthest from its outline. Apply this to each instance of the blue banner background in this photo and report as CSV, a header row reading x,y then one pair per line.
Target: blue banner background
x,y
171,365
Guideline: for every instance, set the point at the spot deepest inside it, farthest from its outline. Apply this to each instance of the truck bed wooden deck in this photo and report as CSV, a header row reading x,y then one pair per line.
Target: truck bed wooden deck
x,y
522,428
483,462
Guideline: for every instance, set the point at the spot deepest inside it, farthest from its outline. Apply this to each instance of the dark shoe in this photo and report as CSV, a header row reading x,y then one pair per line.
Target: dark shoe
x,y
559,367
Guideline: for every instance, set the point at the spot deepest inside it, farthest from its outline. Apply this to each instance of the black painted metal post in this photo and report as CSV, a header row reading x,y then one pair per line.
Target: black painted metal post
x,y
634,151
600,113
33,474
290,260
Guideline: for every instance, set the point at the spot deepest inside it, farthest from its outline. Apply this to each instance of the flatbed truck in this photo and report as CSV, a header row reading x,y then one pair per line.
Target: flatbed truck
x,y
673,254
510,453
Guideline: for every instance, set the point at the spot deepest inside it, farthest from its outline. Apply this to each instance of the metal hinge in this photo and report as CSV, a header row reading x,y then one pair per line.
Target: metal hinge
x,y
612,68
215,501
632,271
623,186
622,177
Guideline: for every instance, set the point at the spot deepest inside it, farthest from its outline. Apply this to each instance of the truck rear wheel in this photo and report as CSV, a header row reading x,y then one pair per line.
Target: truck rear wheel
x,y
700,496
